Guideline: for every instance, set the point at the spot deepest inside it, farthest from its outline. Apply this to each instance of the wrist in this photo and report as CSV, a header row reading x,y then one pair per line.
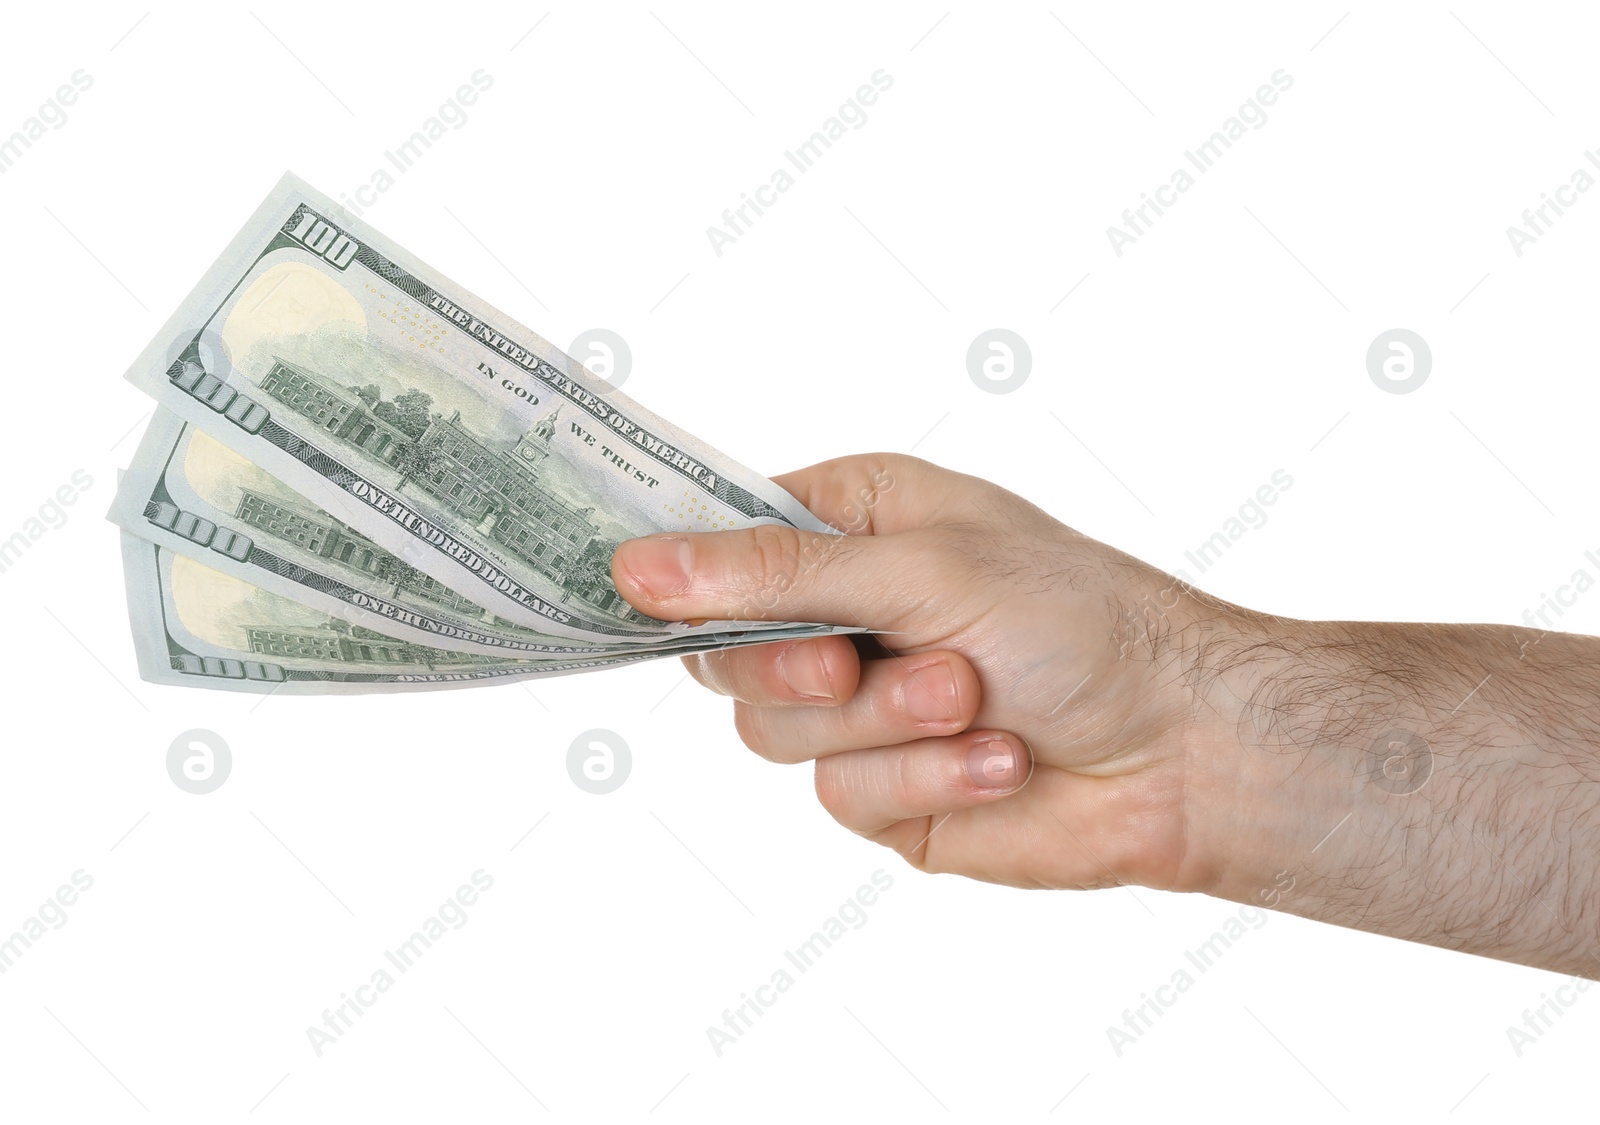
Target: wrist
x,y
1260,791
1212,676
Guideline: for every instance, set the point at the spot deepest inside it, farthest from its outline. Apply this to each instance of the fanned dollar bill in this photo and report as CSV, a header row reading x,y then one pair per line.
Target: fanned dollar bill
x,y
195,626
191,494
438,429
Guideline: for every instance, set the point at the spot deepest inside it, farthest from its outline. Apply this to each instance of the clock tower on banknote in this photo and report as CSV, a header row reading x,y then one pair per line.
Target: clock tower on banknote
x,y
535,444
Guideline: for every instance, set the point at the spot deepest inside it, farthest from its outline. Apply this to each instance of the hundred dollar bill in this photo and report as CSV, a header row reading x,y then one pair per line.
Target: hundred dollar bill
x,y
197,627
435,425
190,493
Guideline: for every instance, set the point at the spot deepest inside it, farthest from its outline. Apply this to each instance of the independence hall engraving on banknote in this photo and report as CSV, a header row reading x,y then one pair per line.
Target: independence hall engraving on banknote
x,y
327,538
357,644
497,493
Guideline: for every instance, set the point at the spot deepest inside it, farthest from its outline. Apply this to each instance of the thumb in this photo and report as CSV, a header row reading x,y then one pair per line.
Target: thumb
x,y
772,573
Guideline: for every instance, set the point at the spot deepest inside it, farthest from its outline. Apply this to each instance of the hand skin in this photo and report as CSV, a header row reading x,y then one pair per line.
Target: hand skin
x,y
1102,723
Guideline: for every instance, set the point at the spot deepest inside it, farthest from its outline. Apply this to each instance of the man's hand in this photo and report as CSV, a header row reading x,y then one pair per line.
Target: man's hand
x,y
1050,712
1024,727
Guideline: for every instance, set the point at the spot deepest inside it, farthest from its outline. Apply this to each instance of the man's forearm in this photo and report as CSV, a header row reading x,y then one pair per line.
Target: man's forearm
x,y
1439,783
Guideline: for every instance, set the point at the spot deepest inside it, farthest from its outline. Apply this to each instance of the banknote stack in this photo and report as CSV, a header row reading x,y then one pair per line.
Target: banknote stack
x,y
360,477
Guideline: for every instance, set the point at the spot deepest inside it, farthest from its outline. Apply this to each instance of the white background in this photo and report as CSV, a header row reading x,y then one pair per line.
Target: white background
x,y
1227,343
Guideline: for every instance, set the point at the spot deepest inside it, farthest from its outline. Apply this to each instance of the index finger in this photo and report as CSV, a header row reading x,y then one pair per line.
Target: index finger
x,y
874,493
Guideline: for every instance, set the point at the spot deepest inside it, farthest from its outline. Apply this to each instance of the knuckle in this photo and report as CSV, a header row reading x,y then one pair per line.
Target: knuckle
x,y
784,558
833,790
902,465
774,555
714,670
748,722
698,665
900,780
719,672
